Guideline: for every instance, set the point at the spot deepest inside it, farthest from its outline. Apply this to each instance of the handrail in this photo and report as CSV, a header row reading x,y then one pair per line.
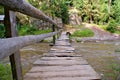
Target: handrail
x,y
11,45
26,8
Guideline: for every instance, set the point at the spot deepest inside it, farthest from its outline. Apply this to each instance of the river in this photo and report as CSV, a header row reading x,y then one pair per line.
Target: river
x,y
103,56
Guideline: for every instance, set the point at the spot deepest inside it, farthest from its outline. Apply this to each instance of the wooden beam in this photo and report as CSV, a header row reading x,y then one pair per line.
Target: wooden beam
x,y
25,8
11,31
11,45
53,30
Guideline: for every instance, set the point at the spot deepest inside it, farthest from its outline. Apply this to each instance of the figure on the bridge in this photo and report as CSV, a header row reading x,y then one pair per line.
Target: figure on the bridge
x,y
68,33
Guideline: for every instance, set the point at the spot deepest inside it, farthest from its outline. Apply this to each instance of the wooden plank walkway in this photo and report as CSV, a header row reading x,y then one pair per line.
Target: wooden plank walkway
x,y
62,63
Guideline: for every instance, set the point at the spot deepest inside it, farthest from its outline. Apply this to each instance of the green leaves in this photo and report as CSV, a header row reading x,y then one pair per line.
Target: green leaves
x,y
112,26
5,72
2,31
1,10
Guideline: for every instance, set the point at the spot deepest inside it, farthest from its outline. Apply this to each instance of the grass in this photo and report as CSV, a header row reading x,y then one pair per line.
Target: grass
x,y
118,32
42,31
2,31
115,71
31,30
83,33
106,66
5,72
117,50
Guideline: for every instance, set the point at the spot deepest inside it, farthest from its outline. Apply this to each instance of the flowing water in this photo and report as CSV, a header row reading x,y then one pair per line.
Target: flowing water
x,y
103,56
31,53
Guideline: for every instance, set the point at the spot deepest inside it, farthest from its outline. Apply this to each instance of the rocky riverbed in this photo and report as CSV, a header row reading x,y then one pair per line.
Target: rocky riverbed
x,y
103,56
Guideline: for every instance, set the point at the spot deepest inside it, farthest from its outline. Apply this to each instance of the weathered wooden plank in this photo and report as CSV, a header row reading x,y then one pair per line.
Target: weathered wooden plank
x,y
63,36
11,45
61,58
61,55
60,62
66,78
66,39
36,69
25,8
62,48
61,51
74,78
67,44
74,73
62,42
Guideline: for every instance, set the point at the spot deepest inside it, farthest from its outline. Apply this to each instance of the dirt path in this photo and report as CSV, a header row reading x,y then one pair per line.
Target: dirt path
x,y
100,34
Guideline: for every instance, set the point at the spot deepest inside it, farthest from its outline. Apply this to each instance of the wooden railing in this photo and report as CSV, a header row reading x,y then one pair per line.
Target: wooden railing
x,y
10,46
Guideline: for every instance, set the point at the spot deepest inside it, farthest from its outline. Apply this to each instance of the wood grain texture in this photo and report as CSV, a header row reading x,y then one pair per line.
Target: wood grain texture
x,y
11,45
11,31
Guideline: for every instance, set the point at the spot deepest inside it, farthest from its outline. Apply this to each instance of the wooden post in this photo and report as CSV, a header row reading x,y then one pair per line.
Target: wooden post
x,y
54,38
58,33
11,31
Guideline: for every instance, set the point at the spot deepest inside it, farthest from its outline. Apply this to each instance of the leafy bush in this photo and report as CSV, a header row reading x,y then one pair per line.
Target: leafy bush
x,y
42,31
31,30
26,30
5,72
83,33
2,31
61,10
112,26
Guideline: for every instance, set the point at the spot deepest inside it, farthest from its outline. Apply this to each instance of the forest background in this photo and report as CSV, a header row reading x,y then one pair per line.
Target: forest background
x,y
105,13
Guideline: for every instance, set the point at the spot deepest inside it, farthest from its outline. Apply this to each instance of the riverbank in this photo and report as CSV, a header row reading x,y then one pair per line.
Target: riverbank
x,y
99,34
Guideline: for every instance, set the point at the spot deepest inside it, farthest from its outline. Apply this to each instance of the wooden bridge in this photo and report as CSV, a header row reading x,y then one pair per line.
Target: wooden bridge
x,y
61,63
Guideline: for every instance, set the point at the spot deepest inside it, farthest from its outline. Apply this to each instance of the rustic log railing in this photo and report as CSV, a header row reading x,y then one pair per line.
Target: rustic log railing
x,y
25,8
10,46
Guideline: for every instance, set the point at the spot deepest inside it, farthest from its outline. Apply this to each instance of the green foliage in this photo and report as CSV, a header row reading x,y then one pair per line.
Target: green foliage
x,y
2,31
115,12
1,10
92,11
115,71
117,50
35,3
5,72
78,3
60,10
31,30
26,30
112,26
64,13
83,33
42,31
